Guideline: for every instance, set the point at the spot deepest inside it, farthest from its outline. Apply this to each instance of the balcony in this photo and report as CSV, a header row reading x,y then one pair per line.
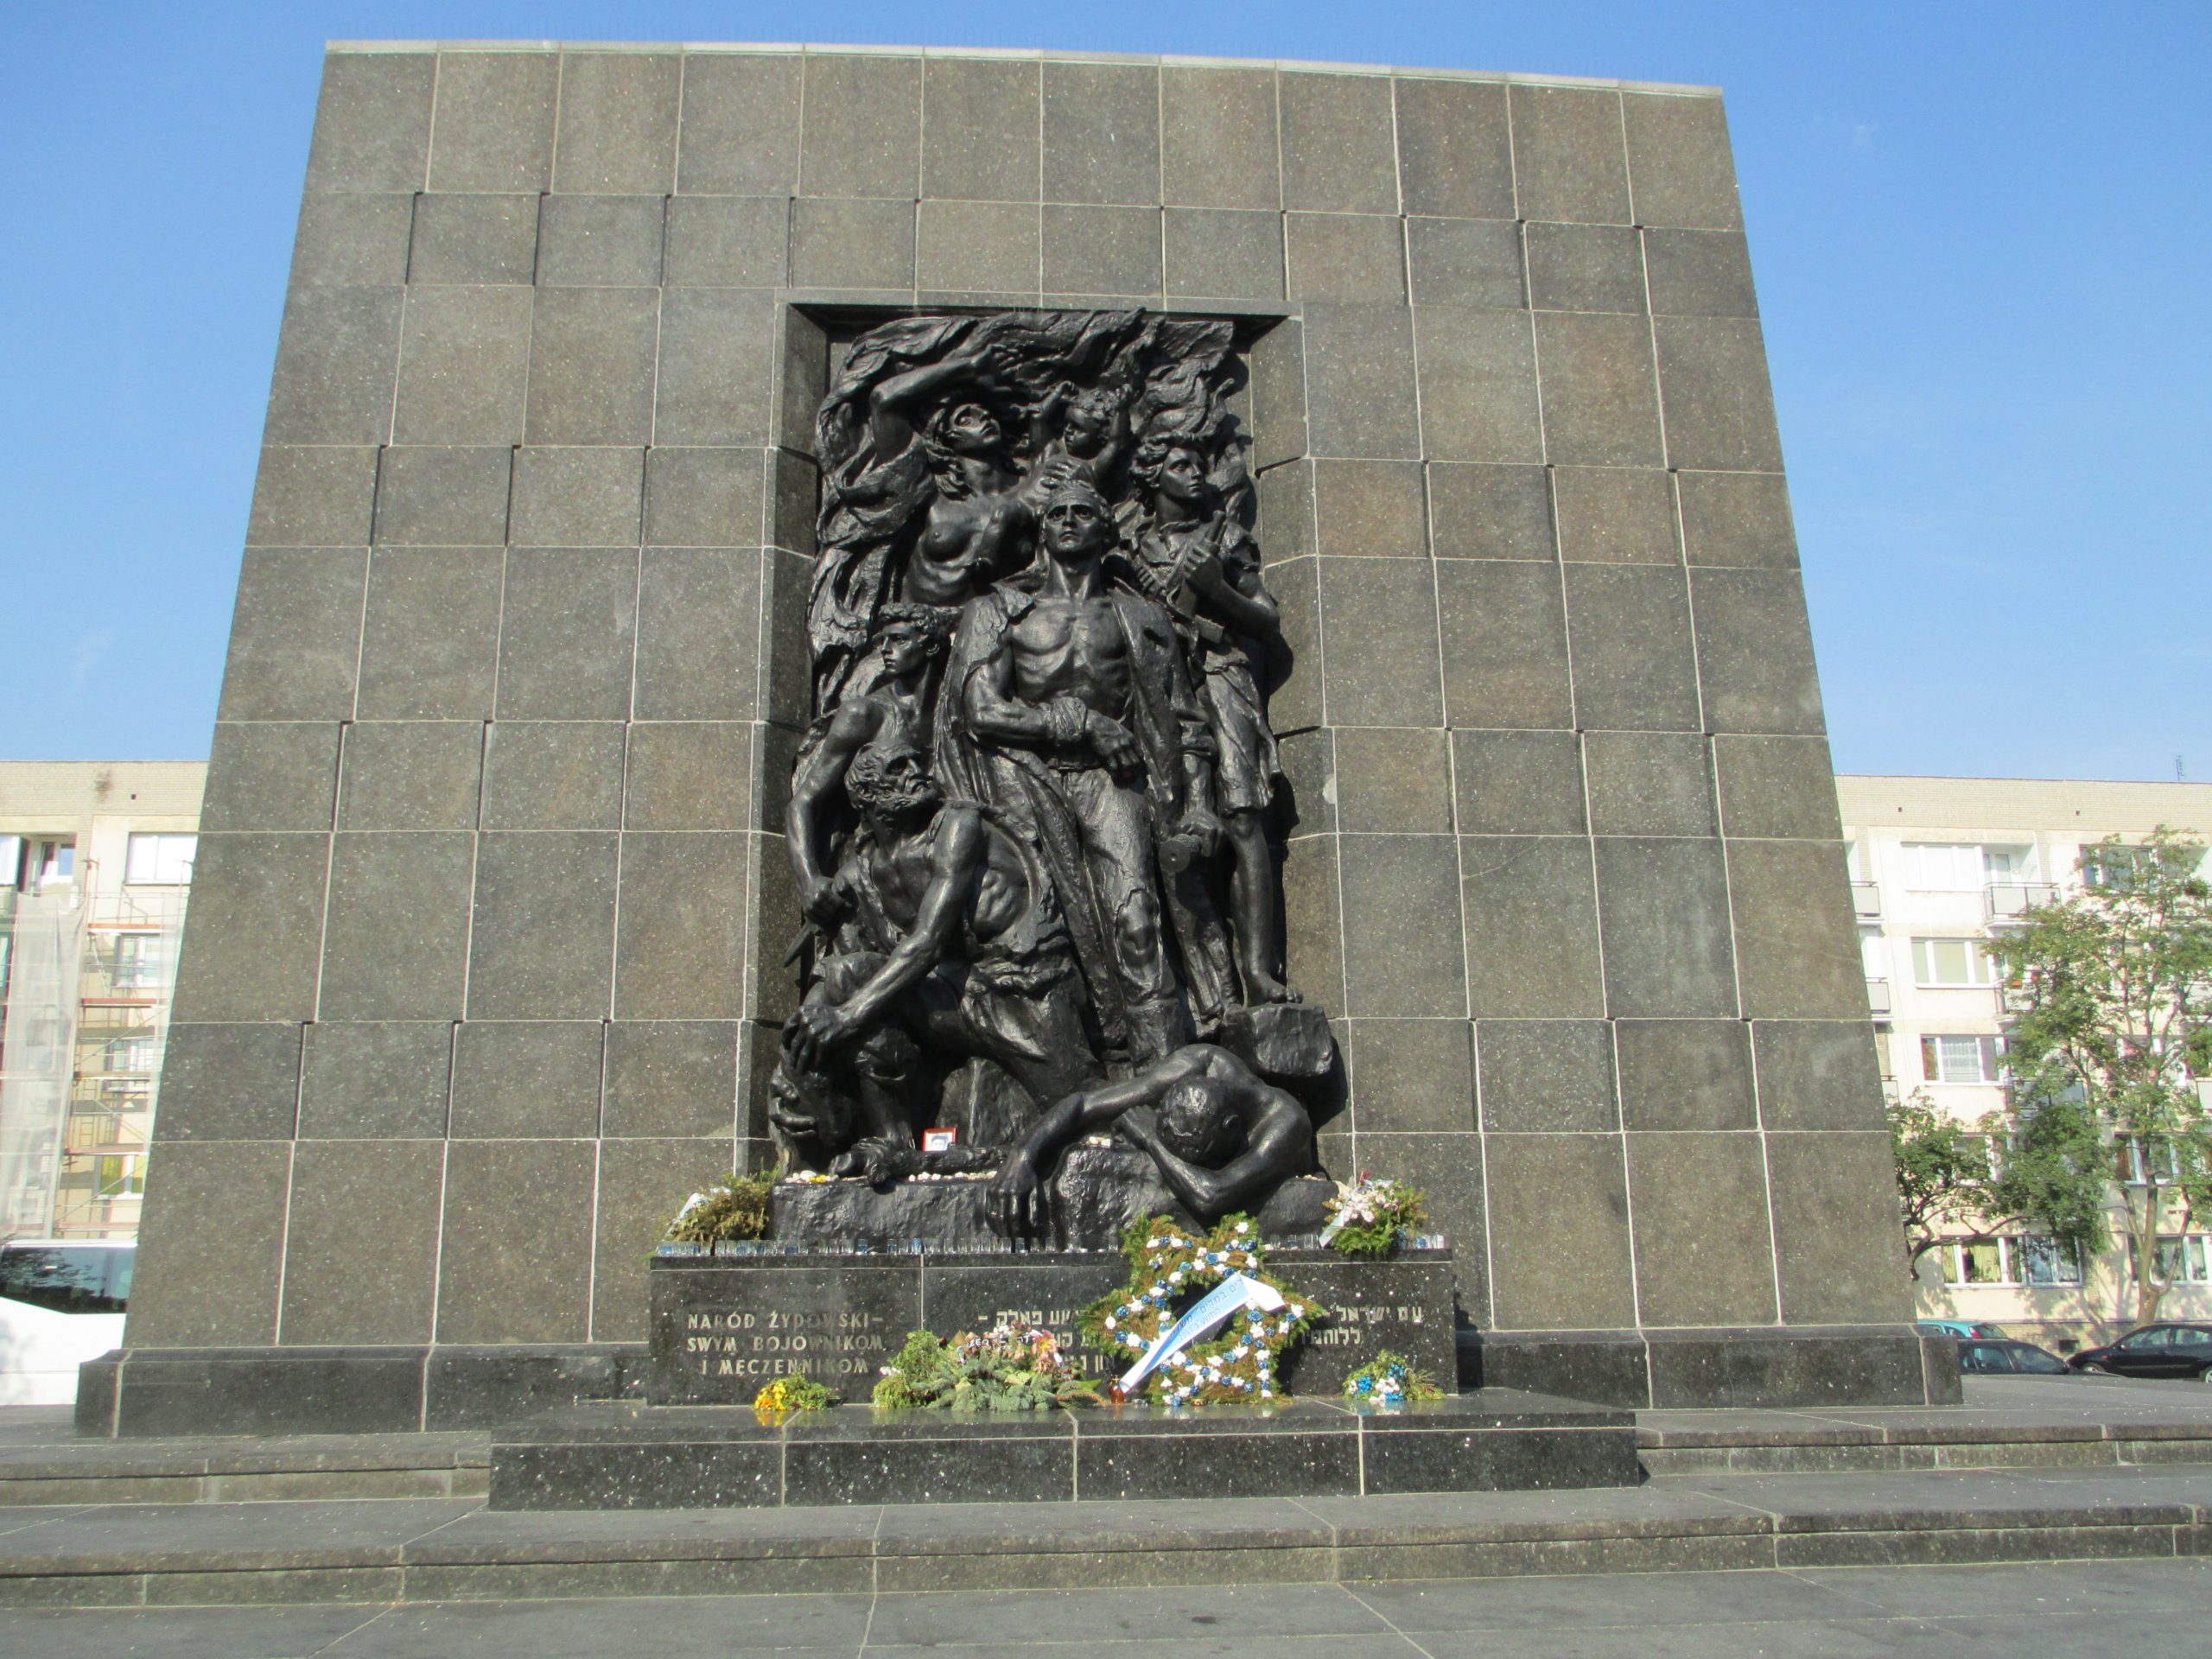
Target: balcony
x,y
1878,998
2006,901
1866,899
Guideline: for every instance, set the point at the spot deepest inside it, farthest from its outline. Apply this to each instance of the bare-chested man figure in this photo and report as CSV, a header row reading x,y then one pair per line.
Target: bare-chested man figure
x,y
1072,693
1221,1137
954,938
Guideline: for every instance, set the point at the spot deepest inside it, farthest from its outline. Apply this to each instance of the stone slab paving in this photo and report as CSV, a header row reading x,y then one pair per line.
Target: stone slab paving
x,y
419,1551
2127,1607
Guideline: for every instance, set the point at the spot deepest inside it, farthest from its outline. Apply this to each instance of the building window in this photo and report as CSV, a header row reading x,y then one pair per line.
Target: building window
x,y
1962,1059
121,1176
1952,961
2139,1162
2033,1259
1958,867
141,963
136,1056
2116,869
2046,1262
159,861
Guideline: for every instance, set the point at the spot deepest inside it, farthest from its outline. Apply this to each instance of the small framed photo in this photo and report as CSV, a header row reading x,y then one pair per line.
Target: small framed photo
x,y
939,1140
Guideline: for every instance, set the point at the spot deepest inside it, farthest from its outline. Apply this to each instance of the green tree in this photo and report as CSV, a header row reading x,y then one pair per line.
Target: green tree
x,y
1960,1182
2108,993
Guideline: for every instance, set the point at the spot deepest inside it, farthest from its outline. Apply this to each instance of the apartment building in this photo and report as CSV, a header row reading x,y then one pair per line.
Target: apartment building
x,y
1938,865
95,868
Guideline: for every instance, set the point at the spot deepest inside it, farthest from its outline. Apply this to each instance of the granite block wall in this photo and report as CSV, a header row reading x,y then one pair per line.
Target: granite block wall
x,y
484,967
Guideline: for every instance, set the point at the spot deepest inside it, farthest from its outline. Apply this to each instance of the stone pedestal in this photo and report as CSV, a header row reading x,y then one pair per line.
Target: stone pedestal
x,y
620,1457
725,1325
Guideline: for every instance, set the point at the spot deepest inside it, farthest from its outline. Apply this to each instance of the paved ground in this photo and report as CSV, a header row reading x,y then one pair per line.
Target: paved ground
x,y
2135,1608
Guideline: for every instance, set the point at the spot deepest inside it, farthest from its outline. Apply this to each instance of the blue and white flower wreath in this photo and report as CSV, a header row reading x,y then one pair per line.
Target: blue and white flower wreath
x,y
1170,1265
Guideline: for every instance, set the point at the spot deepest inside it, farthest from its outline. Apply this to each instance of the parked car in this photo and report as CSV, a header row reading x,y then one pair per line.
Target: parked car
x,y
61,1303
2007,1356
1960,1328
2155,1351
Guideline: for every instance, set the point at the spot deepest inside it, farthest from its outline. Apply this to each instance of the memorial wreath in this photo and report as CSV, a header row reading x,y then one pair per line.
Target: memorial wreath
x,y
1172,1265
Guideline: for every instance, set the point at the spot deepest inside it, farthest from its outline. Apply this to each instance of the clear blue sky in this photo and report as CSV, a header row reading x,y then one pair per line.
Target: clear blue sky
x,y
1982,235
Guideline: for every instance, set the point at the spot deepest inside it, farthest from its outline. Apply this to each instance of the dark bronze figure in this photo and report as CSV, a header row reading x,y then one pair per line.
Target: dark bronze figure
x,y
1030,824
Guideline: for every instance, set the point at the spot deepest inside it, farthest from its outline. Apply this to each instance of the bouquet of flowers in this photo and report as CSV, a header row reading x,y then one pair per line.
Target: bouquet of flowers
x,y
736,1206
790,1393
1009,1367
1390,1379
1371,1216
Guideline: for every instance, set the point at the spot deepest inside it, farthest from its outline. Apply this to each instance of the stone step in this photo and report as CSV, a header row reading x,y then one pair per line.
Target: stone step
x,y
615,1456
403,1550
42,1464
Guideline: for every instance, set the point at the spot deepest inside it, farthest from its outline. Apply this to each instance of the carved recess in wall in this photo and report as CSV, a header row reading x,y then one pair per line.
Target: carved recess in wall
x,y
1030,820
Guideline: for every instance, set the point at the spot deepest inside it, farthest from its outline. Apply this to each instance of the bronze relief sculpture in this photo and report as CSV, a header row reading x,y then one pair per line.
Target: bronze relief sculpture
x,y
1029,823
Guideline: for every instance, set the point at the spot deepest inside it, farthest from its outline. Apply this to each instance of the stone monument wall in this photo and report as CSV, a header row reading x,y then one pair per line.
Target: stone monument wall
x,y
485,965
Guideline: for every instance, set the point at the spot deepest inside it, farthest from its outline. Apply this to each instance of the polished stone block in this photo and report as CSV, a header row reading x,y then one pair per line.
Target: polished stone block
x,y
343,1193
1547,1075
1477,384
1569,161
397,942
412,774
1220,146
1531,914
616,133
740,131
473,240
255,933
502,1283
230,1083
272,775
980,129
543,929
1413,1075
1685,1074
592,354
1664,903
1108,250
1226,253
667,1077
860,125
1346,256
549,774
464,355
493,126
357,241
1101,132
728,241
1650,784
372,124
376,1080
1454,148
1704,1247
566,627
1474,262
1537,1284
1504,634
1518,783
526,1080
1817,1074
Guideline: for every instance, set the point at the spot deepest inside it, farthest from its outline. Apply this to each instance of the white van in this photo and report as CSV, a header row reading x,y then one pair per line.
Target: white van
x,y
61,1303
